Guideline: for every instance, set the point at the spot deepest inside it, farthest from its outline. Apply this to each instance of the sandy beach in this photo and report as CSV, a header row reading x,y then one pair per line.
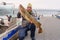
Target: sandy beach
x,y
51,29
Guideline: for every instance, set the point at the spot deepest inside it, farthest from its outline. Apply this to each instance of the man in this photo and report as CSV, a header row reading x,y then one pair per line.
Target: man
x,y
31,27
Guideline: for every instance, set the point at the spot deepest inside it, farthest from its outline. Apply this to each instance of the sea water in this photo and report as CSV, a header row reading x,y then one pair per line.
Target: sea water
x,y
13,12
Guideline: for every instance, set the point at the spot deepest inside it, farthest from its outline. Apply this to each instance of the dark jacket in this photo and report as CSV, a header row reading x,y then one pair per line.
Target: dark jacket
x,y
18,15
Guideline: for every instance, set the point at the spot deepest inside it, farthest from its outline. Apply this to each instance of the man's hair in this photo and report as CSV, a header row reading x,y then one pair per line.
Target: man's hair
x,y
29,5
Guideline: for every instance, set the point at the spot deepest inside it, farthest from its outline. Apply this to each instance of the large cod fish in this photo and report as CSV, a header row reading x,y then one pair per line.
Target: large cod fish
x,y
30,18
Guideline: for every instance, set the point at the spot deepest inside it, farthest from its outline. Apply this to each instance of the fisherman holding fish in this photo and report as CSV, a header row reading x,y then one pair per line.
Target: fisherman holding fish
x,y
30,26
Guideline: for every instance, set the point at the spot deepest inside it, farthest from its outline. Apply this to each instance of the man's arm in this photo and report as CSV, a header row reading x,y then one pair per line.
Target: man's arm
x,y
18,15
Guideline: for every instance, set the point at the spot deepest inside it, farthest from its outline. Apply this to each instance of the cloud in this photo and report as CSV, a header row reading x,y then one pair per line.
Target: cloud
x,y
36,4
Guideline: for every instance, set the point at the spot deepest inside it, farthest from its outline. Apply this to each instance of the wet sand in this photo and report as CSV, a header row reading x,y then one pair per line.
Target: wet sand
x,y
51,29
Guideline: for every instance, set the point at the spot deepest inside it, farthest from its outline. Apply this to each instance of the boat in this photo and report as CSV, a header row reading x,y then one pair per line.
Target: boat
x,y
7,32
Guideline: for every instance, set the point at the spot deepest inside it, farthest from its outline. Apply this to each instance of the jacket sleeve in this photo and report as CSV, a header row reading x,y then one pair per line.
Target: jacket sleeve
x,y
18,15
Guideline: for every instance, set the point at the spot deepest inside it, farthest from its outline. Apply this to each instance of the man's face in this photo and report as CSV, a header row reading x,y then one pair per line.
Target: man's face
x,y
29,9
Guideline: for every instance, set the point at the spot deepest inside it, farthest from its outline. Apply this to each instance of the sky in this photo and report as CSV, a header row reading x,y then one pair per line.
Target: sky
x,y
36,4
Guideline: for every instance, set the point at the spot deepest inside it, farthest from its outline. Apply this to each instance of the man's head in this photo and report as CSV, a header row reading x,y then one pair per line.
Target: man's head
x,y
29,7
